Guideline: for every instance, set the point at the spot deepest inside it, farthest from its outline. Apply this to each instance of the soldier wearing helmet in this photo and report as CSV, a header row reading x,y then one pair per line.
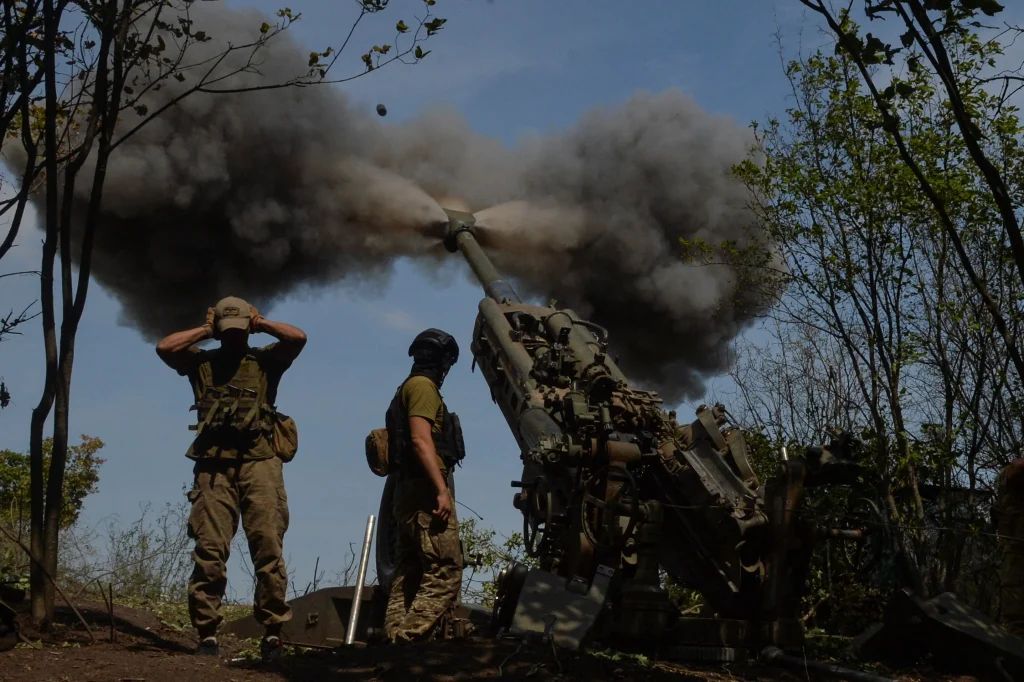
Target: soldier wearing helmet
x,y
427,443
238,461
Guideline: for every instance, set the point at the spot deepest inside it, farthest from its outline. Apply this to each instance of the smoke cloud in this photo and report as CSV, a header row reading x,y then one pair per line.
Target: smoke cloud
x,y
261,194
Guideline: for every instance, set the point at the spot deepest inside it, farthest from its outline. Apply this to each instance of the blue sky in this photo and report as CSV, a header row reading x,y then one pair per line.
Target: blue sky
x,y
512,67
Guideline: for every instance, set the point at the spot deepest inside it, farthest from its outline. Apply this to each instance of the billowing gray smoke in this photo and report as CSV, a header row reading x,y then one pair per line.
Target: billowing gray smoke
x,y
606,207
258,194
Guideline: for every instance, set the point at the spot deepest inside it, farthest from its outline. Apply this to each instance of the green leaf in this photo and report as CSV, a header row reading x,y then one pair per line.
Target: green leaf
x,y
401,27
907,38
873,49
265,27
434,26
420,54
904,90
989,7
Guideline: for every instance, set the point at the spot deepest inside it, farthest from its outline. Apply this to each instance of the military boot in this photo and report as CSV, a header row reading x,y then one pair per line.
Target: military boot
x,y
208,647
271,648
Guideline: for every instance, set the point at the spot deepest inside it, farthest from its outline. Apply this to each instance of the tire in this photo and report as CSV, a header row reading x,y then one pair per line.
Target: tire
x,y
387,533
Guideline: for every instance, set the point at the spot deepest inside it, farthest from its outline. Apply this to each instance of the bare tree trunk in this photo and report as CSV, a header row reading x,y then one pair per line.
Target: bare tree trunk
x,y
72,304
38,582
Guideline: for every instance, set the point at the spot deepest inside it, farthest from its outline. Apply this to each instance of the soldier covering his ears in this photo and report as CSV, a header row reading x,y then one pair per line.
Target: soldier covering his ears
x,y
427,442
237,470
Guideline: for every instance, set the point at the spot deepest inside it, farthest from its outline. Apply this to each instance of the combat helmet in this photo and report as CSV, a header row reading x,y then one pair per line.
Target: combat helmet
x,y
436,345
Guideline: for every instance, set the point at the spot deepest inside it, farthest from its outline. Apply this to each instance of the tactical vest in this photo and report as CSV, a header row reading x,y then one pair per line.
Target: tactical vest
x,y
238,408
448,443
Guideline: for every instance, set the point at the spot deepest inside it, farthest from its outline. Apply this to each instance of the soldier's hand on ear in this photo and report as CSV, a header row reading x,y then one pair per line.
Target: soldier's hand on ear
x,y
256,320
211,315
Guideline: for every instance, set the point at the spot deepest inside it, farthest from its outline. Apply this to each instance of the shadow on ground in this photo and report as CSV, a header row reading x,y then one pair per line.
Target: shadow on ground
x,y
146,649
133,627
483,659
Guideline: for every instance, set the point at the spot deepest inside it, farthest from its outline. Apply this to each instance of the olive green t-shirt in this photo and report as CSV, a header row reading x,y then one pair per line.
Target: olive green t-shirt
x,y
421,398
214,367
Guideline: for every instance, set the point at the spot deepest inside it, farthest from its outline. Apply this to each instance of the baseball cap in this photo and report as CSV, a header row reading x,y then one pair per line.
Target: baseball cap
x,y
232,313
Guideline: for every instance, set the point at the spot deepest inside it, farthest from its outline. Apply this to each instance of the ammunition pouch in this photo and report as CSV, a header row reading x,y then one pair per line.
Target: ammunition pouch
x,y
449,443
284,436
377,452
230,410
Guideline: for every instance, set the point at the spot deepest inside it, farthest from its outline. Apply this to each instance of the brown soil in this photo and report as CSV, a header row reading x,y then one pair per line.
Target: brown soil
x,y
145,650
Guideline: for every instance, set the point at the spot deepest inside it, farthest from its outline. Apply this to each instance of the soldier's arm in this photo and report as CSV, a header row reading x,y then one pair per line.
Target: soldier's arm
x,y
291,339
423,401
176,349
423,445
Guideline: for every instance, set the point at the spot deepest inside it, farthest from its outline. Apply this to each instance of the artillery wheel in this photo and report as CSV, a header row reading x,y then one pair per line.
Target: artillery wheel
x,y
509,586
537,516
861,556
591,502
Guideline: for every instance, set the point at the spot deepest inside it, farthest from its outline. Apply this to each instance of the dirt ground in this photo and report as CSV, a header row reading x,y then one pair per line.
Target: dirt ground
x,y
145,650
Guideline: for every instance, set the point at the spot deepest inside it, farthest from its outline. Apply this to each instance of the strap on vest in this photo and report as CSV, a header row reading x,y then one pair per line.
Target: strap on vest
x,y
209,417
256,404
214,408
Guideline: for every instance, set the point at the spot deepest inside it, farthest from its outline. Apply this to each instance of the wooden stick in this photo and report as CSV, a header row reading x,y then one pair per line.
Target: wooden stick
x,y
26,640
53,582
103,596
110,586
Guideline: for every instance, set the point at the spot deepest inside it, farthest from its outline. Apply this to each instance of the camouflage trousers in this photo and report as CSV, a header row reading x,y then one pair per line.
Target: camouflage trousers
x,y
223,491
428,560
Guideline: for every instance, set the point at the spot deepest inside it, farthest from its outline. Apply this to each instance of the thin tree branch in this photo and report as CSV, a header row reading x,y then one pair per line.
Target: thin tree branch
x,y
49,577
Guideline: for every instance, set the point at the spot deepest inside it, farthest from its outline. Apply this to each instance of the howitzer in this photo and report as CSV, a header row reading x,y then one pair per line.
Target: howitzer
x,y
614,491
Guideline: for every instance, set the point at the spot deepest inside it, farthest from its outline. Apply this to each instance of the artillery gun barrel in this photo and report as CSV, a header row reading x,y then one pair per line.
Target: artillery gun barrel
x,y
583,340
460,237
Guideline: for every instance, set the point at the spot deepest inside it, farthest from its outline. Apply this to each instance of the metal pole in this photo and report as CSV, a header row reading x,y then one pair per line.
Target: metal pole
x,y
357,597
785,457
